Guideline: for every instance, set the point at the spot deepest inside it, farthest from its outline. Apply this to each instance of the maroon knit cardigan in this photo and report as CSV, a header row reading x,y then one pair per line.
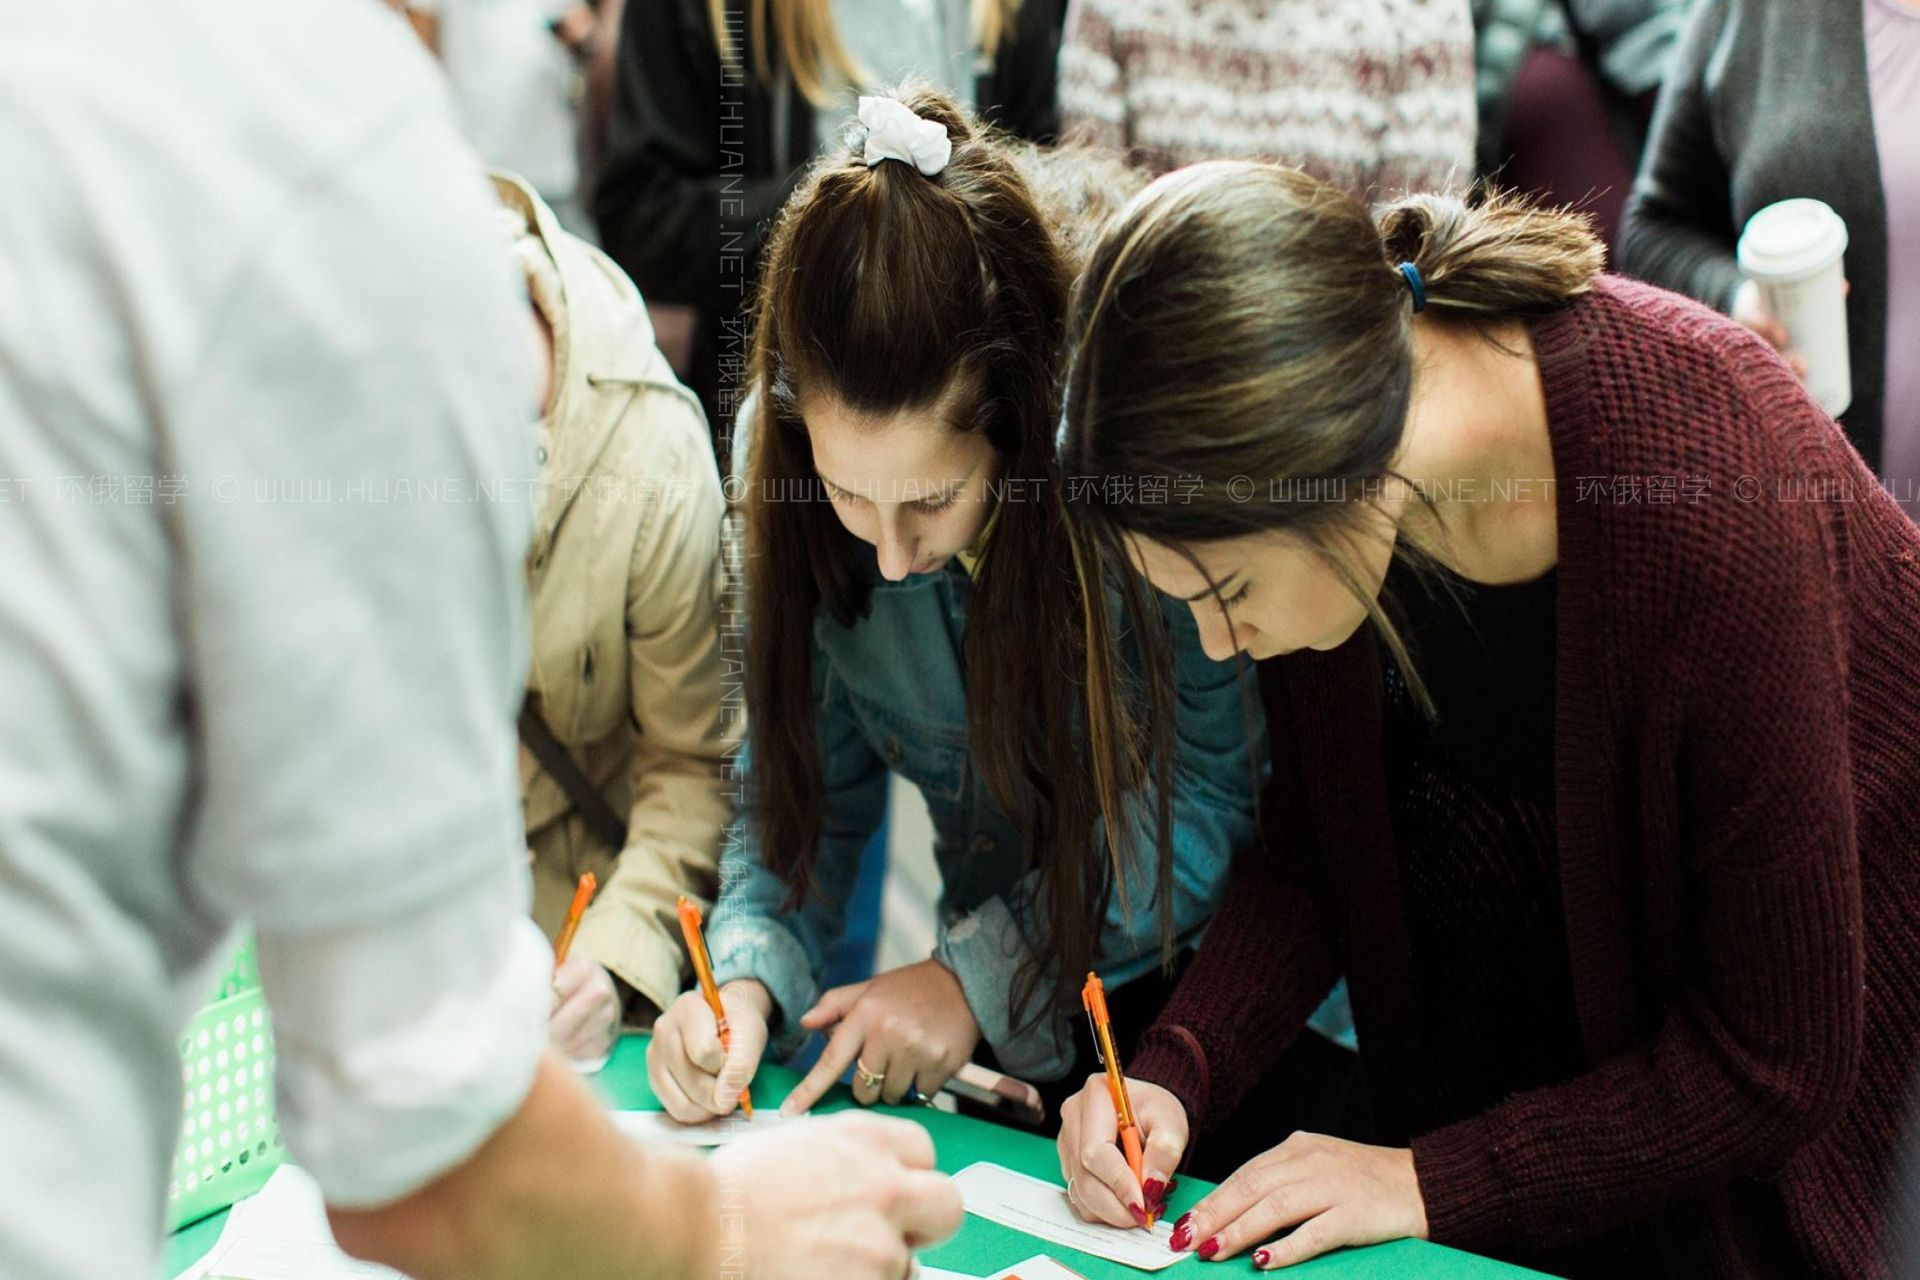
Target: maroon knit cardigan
x,y
1737,788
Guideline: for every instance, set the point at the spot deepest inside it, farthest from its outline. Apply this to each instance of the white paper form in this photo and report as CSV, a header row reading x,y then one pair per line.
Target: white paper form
x,y
1038,1267
281,1233
1040,1209
658,1126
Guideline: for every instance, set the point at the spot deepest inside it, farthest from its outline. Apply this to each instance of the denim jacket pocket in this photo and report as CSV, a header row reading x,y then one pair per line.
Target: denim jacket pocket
x,y
932,758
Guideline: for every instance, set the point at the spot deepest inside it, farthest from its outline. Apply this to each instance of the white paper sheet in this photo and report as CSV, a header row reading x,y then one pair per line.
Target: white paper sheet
x,y
1038,1267
658,1126
1040,1209
281,1233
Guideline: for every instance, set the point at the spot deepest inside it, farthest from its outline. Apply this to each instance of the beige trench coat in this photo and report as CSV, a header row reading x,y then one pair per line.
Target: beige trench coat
x,y
627,580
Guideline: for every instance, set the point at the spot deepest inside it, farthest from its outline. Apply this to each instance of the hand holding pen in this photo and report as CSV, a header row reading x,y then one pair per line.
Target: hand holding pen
x,y
703,972
584,1019
1120,1139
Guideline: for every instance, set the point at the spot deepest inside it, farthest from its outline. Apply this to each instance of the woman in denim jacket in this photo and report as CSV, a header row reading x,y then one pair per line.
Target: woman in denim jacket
x,y
916,608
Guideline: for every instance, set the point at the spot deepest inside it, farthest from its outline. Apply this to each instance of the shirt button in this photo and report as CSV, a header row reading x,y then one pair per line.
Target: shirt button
x,y
892,751
540,455
984,843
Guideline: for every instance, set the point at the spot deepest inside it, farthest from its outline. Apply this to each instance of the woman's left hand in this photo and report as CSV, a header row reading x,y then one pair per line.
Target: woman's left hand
x,y
907,1029
1332,1193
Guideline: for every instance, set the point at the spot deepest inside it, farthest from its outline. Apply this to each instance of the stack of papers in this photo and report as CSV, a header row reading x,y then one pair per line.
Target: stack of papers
x,y
282,1233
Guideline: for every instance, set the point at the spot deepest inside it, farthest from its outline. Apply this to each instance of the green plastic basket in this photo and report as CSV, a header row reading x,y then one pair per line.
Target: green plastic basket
x,y
229,1144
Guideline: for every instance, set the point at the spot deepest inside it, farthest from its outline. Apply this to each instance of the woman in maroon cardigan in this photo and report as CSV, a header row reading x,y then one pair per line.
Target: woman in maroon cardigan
x,y
1592,671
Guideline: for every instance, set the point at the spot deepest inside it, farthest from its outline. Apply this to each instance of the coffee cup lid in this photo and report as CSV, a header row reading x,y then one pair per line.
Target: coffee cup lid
x,y
1792,239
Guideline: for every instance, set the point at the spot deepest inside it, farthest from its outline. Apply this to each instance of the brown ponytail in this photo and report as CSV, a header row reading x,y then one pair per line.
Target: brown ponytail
x,y
892,291
1499,259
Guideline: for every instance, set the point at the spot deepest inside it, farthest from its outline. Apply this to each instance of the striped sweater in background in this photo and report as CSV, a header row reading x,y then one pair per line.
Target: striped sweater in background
x,y
1375,95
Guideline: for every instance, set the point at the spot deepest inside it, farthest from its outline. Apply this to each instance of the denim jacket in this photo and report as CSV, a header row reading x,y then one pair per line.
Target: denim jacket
x,y
890,697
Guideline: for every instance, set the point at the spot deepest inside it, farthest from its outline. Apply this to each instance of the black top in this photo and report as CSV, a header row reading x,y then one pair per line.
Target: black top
x,y
1485,655
1473,820
1766,100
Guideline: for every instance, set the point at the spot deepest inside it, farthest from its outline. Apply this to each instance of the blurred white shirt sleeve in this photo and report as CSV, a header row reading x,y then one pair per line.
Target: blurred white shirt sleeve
x,y
403,1046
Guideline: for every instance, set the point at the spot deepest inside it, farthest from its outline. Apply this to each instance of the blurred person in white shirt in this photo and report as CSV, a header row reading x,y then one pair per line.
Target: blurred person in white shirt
x,y
266,386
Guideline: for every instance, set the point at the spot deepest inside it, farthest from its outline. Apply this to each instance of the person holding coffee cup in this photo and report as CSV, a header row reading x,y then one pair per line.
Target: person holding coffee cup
x,y
1791,255
1792,101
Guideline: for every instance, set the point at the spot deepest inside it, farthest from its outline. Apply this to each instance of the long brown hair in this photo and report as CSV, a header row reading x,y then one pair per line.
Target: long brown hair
x,y
809,41
1247,322
894,292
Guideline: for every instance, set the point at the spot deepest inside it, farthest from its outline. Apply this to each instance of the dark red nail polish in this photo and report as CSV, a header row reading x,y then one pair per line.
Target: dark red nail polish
x,y
1139,1214
1211,1247
1261,1257
1184,1219
1156,1194
1179,1241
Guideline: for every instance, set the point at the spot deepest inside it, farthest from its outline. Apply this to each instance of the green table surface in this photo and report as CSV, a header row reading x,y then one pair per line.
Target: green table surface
x,y
981,1247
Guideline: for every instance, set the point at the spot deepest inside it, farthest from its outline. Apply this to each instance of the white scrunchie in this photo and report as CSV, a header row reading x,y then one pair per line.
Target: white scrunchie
x,y
894,132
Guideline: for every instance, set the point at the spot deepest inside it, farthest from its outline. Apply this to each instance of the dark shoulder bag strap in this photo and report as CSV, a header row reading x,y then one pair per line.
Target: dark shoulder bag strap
x,y
558,762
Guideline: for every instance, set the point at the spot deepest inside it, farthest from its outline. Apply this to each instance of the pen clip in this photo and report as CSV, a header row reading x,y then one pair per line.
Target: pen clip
x,y
1093,1028
1093,1023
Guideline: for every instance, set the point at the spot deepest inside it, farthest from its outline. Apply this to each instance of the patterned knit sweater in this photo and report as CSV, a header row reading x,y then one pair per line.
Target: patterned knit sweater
x,y
1737,810
1373,95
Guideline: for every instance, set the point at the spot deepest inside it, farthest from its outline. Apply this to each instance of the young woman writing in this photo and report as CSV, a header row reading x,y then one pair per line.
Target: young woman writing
x,y
918,605
1590,655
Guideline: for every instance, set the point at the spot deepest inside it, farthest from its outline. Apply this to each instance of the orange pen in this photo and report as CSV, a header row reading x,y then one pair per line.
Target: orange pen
x,y
1094,997
703,970
581,897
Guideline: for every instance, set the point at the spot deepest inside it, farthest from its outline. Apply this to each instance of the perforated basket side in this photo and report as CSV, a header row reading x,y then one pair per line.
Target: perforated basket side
x,y
229,1143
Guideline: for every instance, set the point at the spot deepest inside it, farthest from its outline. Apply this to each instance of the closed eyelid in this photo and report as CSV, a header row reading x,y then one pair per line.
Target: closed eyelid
x,y
1216,590
932,503
1218,593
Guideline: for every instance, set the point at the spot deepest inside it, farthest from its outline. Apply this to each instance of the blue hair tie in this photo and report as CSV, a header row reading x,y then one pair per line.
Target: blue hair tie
x,y
1411,274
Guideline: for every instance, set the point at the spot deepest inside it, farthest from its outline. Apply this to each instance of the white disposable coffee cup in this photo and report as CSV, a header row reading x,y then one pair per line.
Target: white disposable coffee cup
x,y
1793,251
